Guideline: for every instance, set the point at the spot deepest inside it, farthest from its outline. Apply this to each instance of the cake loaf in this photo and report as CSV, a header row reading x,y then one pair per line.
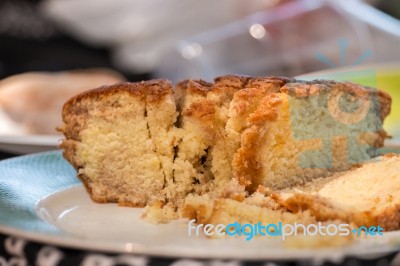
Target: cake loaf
x,y
149,143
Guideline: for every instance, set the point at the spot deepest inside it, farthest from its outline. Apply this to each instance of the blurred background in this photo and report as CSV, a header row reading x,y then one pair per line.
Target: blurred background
x,y
202,39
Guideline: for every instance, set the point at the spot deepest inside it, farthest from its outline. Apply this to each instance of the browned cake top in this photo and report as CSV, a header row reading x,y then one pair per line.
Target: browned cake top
x,y
236,81
200,87
154,90
300,88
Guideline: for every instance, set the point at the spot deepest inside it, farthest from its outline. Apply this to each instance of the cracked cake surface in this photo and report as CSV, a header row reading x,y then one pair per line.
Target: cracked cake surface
x,y
152,144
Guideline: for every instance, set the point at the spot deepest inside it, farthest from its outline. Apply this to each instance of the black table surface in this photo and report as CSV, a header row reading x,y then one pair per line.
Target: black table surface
x,y
5,155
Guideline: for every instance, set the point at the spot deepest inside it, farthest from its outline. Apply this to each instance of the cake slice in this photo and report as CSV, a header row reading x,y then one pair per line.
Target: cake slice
x,y
204,113
195,123
242,103
309,130
119,141
366,196
209,113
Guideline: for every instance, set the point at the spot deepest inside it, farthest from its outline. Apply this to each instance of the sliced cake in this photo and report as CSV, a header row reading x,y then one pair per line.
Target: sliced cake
x,y
308,130
148,143
366,196
120,142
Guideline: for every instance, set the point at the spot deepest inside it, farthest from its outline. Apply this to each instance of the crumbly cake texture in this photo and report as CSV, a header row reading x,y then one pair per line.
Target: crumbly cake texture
x,y
119,140
258,209
149,144
365,196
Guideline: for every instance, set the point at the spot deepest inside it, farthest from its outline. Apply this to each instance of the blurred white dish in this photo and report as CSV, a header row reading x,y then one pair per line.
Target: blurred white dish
x,y
24,144
31,102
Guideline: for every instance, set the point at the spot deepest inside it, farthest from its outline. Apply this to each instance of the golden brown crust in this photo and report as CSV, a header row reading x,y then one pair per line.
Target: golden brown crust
x,y
200,213
389,219
199,86
385,103
244,98
236,81
85,181
193,87
154,89
319,207
254,90
323,210
277,83
246,164
267,110
203,111
226,86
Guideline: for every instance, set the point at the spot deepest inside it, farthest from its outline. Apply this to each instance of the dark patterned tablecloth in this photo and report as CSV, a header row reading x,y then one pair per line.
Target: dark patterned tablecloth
x,y
16,251
19,252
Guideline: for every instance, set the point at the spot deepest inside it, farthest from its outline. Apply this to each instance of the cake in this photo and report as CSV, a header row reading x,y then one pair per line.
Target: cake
x,y
365,196
164,147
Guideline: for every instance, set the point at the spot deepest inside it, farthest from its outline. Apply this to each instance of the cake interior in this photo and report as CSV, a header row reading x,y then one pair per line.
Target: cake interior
x,y
301,138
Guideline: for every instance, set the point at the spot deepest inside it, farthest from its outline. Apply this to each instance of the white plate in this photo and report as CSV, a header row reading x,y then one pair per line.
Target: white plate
x,y
41,200
24,144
